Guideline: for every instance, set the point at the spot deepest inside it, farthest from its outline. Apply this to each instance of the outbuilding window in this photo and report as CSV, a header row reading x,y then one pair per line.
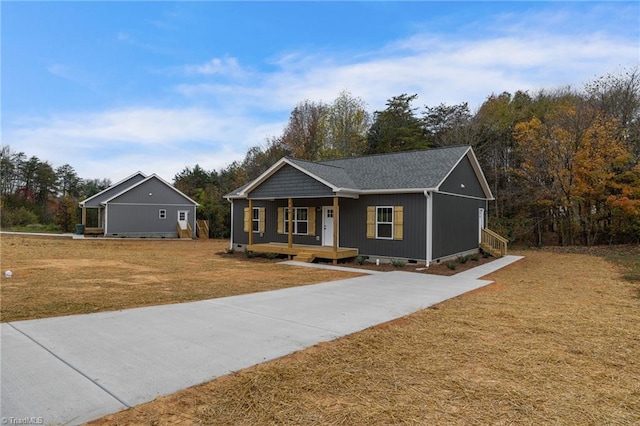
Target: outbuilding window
x,y
162,214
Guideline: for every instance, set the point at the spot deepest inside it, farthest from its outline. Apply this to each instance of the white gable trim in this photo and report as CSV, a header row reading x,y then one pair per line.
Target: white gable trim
x,y
476,168
82,203
153,176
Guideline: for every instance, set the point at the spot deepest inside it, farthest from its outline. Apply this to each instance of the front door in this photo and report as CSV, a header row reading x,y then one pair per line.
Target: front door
x,y
480,224
327,226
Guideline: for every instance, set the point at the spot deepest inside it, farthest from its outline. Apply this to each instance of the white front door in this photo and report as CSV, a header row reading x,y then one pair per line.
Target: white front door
x,y
327,225
480,224
183,218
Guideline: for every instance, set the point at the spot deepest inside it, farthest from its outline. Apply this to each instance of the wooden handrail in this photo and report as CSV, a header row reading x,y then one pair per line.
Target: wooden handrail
x,y
493,242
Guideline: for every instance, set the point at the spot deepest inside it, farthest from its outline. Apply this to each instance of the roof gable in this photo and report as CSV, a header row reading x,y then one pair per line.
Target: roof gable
x,y
96,199
411,171
151,190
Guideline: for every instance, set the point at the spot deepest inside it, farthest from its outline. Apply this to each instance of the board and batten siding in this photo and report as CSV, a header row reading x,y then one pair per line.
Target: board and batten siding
x,y
455,224
353,226
290,182
270,233
463,180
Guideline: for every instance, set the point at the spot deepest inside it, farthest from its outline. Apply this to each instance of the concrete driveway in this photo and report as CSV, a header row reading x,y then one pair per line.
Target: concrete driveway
x,y
72,369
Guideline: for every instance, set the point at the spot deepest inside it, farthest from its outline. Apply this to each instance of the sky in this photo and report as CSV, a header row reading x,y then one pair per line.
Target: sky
x,y
112,88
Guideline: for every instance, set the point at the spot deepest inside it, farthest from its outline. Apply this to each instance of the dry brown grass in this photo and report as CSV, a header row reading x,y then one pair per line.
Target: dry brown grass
x,y
554,341
56,276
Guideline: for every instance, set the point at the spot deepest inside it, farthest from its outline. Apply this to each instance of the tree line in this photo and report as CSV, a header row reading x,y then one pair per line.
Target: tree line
x,y
563,164
33,192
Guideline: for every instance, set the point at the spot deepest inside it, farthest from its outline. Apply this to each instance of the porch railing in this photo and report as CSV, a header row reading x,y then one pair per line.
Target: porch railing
x,y
493,242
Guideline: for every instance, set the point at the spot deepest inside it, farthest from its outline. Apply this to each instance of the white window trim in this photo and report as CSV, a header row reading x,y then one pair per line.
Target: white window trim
x,y
385,223
162,214
295,220
255,219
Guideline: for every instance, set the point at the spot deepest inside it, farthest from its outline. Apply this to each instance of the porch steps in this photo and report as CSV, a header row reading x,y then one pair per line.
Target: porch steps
x,y
202,229
305,256
184,232
493,243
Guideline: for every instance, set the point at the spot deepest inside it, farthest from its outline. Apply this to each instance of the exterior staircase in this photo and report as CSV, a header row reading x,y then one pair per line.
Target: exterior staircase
x,y
184,232
202,229
305,256
493,243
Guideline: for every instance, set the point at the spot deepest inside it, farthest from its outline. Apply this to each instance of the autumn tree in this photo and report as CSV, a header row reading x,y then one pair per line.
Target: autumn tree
x,y
345,125
304,137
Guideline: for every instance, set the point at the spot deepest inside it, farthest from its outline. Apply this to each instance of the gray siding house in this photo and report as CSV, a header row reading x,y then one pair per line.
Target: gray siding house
x,y
423,206
141,206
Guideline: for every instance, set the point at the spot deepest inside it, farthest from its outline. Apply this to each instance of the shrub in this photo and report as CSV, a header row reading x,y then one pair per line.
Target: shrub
x,y
249,253
272,255
463,259
398,263
18,217
361,259
475,257
452,265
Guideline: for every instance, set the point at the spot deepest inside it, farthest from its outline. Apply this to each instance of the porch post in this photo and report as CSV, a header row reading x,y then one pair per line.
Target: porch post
x,y
336,214
84,216
250,221
290,220
335,224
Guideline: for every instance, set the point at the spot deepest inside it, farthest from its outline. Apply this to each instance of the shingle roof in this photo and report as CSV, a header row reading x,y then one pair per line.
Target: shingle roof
x,y
402,170
424,169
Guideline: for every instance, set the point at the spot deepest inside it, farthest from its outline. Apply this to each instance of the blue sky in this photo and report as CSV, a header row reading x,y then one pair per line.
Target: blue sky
x,y
116,87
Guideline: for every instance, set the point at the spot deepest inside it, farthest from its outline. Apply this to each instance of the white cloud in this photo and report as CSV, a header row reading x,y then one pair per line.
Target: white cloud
x,y
116,143
218,66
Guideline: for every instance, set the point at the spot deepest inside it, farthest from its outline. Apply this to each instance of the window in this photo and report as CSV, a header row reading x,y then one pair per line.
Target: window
x,y
300,220
384,223
162,214
255,221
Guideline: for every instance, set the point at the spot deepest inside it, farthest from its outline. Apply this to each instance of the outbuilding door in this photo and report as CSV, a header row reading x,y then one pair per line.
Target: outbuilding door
x,y
183,218
327,225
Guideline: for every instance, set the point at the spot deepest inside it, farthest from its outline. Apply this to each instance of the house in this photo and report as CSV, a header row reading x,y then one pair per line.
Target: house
x,y
422,206
141,206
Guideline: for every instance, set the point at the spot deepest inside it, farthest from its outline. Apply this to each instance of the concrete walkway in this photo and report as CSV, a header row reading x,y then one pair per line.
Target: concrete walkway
x,y
69,370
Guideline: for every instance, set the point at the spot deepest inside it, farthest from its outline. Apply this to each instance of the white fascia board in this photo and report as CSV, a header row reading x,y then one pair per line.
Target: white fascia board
x,y
395,191
111,186
483,180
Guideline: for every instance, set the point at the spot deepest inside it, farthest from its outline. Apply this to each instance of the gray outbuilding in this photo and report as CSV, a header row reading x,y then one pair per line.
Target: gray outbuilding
x,y
141,206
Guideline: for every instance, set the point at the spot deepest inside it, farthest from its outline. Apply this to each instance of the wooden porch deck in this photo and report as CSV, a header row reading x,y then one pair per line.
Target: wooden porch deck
x,y
305,253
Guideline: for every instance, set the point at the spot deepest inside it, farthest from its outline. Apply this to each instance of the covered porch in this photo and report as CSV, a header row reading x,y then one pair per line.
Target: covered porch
x,y
329,248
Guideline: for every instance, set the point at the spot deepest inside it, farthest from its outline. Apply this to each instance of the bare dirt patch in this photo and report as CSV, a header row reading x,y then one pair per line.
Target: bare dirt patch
x,y
554,341
55,276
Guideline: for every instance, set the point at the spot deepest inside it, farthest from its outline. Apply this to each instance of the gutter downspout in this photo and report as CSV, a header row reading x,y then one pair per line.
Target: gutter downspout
x,y
429,226
231,230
